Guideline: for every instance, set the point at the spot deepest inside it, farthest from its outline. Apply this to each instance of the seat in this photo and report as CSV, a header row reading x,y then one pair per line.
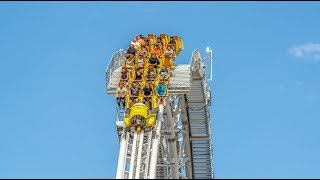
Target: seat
x,y
179,43
165,38
154,99
167,61
128,100
165,41
153,38
177,46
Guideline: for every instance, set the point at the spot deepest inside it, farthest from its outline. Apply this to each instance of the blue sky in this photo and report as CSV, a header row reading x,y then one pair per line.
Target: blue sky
x,y
56,120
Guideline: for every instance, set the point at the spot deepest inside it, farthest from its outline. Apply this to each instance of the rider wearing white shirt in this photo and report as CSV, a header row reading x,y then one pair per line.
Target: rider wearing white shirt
x,y
135,43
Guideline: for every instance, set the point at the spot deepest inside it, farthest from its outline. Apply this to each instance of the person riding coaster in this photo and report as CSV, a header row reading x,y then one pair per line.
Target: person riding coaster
x,y
161,91
147,92
164,75
124,75
134,92
154,62
121,93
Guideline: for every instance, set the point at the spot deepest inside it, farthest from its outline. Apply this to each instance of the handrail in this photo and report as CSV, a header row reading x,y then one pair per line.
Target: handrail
x,y
196,63
116,61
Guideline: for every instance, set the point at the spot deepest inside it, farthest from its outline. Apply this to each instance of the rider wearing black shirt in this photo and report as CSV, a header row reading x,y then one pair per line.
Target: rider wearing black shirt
x,y
154,60
124,75
147,91
138,75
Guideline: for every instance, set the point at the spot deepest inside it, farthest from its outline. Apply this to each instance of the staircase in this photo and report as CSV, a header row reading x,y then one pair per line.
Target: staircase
x,y
199,125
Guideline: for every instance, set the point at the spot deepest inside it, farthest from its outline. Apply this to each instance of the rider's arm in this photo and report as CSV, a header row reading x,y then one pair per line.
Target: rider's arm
x,y
157,91
130,93
168,75
151,93
125,92
117,94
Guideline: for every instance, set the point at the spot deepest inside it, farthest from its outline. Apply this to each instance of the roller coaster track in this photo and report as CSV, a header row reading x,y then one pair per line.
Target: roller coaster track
x,y
179,147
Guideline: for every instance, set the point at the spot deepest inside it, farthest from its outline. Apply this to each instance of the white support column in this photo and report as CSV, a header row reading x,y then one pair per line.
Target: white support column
x,y
165,149
177,107
172,143
138,163
182,176
155,146
147,161
181,149
165,154
133,155
122,157
186,137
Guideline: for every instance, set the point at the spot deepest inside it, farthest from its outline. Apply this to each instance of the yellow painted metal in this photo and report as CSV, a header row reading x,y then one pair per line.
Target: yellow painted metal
x,y
141,111
167,61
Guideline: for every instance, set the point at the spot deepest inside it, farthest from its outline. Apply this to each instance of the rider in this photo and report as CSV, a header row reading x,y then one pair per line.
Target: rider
x,y
154,61
124,75
147,91
164,74
134,92
151,76
131,52
121,95
161,92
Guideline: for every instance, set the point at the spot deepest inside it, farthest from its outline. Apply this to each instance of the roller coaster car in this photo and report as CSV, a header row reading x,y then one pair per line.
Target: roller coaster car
x,y
139,117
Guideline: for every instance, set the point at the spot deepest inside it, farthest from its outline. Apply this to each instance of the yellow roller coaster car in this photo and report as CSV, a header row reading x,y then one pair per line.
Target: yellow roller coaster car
x,y
139,117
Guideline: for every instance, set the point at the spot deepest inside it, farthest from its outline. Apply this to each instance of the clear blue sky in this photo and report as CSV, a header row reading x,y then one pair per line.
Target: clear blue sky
x,y
56,120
